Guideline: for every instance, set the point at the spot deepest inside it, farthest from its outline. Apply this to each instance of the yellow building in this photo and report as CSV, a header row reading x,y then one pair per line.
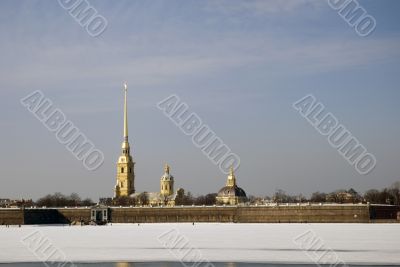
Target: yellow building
x,y
166,183
125,185
166,196
230,194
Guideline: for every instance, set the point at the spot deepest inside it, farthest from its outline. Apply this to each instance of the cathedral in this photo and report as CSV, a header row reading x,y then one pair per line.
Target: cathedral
x,y
125,185
230,194
126,166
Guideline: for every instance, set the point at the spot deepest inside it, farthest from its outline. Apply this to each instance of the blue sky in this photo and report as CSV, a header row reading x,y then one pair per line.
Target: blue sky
x,y
238,64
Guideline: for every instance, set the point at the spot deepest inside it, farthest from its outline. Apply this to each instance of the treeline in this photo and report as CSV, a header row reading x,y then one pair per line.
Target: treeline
x,y
207,200
61,200
74,200
139,200
389,195
142,200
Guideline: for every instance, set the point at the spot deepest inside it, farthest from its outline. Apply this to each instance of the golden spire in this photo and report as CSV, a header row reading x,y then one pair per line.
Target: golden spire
x,y
125,113
231,181
231,171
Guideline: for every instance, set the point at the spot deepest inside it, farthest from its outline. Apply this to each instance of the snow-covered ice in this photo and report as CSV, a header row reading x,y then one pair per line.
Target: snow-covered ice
x,y
283,243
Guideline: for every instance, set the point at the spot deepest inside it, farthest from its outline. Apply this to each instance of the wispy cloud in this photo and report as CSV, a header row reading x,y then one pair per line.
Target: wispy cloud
x,y
170,53
80,62
261,7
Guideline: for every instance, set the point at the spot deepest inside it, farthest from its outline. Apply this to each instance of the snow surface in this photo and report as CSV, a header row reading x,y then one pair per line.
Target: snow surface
x,y
273,243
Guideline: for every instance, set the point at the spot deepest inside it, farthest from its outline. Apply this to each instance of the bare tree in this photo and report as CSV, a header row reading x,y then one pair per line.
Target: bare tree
x,y
60,200
318,197
372,196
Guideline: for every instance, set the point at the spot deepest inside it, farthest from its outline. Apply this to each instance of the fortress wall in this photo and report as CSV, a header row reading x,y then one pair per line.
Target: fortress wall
x,y
292,214
56,216
253,214
77,215
301,214
11,216
378,212
173,214
41,216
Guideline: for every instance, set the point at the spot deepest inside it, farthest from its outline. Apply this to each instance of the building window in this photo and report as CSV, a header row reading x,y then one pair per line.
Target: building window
x,y
122,170
130,170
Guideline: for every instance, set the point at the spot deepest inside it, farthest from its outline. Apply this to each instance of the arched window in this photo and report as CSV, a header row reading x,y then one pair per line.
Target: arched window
x,y
122,170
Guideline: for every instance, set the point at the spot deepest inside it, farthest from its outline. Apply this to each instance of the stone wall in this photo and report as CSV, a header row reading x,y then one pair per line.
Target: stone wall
x,y
77,214
11,216
270,214
44,216
173,214
378,212
245,214
41,216
305,214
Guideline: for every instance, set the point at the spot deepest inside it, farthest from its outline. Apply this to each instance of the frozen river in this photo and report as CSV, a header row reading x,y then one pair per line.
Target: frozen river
x,y
375,244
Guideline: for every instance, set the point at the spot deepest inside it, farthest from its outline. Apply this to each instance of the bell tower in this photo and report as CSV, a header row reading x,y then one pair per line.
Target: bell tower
x,y
167,182
125,165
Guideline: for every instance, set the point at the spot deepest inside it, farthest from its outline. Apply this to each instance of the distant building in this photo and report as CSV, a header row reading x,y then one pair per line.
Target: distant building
x,y
231,194
4,202
15,203
343,197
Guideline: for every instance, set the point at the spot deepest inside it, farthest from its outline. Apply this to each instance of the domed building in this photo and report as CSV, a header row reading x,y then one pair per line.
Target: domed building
x,y
167,182
167,196
231,194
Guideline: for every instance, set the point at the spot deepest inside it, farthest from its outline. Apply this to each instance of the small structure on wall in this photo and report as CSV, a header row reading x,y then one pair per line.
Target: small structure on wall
x,y
99,214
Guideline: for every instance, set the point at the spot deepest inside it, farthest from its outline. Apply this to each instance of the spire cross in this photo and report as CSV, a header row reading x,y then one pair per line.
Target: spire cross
x,y
166,168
